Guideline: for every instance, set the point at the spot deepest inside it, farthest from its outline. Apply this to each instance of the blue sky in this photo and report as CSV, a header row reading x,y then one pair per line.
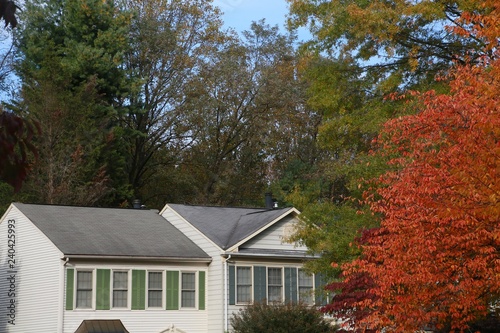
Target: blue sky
x,y
239,14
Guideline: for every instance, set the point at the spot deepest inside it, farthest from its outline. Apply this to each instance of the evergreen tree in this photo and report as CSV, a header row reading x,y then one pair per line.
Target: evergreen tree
x,y
73,83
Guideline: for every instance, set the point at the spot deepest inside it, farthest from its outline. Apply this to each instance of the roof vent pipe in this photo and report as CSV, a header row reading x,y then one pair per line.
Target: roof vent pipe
x,y
136,204
269,200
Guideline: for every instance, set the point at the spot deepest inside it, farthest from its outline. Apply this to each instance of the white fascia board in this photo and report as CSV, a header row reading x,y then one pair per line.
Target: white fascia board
x,y
279,218
129,258
167,207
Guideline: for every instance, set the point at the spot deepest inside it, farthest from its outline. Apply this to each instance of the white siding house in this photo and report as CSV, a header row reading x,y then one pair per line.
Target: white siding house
x,y
251,262
187,269
68,268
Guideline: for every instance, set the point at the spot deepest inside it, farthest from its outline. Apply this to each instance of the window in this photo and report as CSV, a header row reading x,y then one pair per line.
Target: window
x,y
305,287
188,290
120,289
274,285
84,289
155,291
243,284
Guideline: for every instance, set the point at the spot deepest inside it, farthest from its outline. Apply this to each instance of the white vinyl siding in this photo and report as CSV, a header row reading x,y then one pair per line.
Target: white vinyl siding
x,y
38,277
148,319
273,238
214,281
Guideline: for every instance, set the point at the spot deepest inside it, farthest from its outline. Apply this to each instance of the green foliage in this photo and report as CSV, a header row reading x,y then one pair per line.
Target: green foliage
x,y
72,83
399,42
279,318
169,40
243,105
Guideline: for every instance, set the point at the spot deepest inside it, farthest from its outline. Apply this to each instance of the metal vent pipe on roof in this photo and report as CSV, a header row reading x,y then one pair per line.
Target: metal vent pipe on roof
x,y
269,200
136,204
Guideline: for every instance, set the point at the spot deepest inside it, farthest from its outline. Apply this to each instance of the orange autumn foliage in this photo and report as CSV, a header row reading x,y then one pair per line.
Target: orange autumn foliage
x,y
436,257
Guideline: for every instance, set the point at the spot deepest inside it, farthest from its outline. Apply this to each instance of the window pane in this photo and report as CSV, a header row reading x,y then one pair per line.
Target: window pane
x,y
244,294
120,289
243,275
154,280
305,287
274,283
84,280
84,299
274,294
188,292
243,284
84,290
274,276
305,279
155,290
120,280
188,299
155,298
188,281
120,299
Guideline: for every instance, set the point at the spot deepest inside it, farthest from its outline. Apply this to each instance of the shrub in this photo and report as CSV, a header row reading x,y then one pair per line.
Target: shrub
x,y
280,318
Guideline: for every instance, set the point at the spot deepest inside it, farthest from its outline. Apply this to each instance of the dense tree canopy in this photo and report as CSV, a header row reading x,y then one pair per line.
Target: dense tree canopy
x,y
434,260
404,41
72,85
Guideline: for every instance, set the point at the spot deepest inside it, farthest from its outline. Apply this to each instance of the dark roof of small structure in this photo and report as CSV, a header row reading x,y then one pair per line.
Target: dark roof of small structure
x,y
101,326
226,226
89,231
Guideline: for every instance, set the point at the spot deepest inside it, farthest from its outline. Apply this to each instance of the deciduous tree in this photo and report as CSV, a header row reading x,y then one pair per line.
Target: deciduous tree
x,y
169,40
435,259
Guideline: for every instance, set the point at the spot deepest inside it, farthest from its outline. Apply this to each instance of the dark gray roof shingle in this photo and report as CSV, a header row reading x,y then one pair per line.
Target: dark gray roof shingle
x,y
110,232
227,226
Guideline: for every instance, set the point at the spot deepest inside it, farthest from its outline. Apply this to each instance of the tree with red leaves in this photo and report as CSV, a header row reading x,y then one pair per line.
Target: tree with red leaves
x,y
436,256
16,149
434,263
7,12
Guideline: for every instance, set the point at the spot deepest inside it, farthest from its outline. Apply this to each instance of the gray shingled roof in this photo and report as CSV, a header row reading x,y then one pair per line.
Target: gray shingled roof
x,y
110,232
227,226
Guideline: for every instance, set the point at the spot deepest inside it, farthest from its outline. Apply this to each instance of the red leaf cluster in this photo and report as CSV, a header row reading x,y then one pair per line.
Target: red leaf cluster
x,y
436,258
15,145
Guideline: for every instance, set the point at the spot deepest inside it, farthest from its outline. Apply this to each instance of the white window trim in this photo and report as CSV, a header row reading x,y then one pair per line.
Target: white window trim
x,y
251,284
75,289
163,286
196,290
282,284
129,289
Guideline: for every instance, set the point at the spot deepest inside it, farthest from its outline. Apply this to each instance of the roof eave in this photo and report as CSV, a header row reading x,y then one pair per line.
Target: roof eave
x,y
140,258
270,255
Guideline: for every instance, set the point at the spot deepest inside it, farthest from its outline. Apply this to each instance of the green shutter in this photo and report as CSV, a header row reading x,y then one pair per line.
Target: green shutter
x,y
172,290
319,285
102,289
138,289
201,290
232,285
290,284
70,287
260,283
